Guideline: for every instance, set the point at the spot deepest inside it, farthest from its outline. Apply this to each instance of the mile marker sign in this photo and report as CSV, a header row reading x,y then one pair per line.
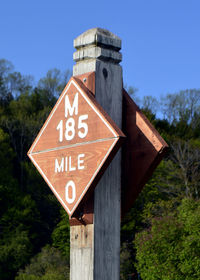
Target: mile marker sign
x,y
74,145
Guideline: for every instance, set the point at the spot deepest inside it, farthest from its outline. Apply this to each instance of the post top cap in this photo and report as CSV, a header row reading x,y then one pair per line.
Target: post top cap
x,y
98,37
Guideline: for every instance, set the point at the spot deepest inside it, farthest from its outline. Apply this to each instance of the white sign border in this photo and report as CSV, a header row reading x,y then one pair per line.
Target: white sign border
x,y
87,186
115,139
56,106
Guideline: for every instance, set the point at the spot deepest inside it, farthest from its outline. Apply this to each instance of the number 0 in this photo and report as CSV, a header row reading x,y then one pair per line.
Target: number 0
x,y
71,185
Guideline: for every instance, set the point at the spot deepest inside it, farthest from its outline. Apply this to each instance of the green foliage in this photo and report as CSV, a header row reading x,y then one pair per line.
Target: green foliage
x,y
61,235
54,82
150,105
162,187
170,249
15,249
126,261
165,215
28,210
181,107
186,156
47,265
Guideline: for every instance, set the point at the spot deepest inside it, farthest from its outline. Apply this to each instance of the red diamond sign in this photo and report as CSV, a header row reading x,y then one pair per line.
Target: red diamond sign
x,y
74,145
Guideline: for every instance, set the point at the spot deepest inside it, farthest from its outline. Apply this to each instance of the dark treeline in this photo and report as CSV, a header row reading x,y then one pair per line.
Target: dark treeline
x,y
159,236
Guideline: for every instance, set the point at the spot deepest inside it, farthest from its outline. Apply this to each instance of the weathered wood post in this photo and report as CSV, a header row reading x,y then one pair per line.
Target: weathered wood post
x,y
78,141
95,248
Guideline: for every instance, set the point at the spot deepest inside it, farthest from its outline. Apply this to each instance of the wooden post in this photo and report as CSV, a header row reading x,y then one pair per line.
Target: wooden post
x,y
95,248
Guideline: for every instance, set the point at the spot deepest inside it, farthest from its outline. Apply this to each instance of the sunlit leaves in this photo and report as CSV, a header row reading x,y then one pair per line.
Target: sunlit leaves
x,y
170,248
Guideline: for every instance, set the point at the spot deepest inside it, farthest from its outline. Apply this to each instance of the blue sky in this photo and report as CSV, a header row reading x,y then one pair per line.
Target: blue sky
x,y
160,38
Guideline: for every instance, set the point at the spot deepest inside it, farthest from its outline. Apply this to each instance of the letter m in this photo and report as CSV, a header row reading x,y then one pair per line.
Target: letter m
x,y
59,168
69,108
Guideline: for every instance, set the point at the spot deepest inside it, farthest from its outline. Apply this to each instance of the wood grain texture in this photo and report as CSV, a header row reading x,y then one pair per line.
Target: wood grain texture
x,y
81,252
106,228
88,79
142,151
100,126
83,174
107,200
74,144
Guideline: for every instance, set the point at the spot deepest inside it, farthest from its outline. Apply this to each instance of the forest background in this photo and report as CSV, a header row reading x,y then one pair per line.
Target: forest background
x,y
159,236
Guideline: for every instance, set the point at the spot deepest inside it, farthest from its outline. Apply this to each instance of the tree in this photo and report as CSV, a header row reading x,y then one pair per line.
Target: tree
x,y
54,82
61,235
18,84
5,96
49,264
15,249
31,218
126,262
170,248
150,104
14,82
187,157
6,67
181,106
28,211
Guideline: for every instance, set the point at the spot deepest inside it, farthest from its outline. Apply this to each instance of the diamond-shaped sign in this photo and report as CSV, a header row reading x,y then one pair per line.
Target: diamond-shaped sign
x,y
74,145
